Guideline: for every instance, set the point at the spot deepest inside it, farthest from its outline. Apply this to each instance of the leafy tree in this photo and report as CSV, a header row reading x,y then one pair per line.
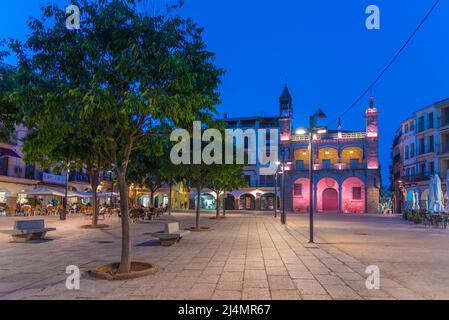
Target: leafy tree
x,y
9,111
225,178
143,73
197,176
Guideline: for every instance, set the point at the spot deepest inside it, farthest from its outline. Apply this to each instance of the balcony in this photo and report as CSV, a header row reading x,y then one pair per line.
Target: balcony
x,y
422,126
425,149
340,166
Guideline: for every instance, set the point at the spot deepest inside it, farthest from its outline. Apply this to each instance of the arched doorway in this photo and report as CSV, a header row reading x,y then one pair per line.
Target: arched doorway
x,y
327,195
267,202
247,202
330,200
229,201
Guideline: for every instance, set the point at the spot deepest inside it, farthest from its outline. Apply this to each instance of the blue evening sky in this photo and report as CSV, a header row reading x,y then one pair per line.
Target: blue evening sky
x,y
321,47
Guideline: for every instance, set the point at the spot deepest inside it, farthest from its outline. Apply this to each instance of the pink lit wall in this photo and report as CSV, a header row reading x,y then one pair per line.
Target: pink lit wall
x,y
301,203
349,205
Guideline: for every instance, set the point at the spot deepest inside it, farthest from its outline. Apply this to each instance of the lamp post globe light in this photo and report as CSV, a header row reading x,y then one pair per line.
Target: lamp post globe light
x,y
312,131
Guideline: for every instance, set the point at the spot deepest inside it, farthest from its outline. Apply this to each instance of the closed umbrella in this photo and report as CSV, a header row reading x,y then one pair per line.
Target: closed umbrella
x,y
417,204
447,192
431,196
439,207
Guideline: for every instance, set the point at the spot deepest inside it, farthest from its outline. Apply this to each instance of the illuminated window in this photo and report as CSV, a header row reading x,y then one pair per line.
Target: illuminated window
x,y
2,197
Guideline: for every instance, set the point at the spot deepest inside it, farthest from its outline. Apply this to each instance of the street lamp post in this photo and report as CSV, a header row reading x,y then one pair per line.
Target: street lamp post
x,y
62,215
276,194
313,129
112,189
283,215
311,194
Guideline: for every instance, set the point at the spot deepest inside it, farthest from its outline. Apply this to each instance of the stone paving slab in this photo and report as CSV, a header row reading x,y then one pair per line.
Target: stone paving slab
x,y
247,256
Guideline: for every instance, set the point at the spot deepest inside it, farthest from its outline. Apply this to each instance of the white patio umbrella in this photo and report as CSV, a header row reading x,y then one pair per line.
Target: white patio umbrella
x,y
42,192
431,196
447,192
413,200
439,207
417,197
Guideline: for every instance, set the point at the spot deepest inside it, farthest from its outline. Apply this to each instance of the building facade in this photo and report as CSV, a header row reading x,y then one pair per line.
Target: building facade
x,y
346,167
420,150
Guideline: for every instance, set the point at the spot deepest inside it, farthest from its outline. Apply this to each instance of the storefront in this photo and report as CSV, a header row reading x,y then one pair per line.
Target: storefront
x,y
267,202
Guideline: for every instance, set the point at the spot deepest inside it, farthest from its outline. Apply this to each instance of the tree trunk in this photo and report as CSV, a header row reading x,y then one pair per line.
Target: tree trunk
x,y
152,199
224,203
217,205
94,185
125,262
198,205
169,199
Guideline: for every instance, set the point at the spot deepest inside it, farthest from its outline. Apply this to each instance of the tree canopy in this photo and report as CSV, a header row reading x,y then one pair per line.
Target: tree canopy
x,y
134,75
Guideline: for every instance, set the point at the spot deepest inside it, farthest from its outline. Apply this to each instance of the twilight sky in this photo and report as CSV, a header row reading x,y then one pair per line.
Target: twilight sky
x,y
321,48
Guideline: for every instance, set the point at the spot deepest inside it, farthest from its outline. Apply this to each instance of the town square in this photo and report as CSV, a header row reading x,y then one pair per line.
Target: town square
x,y
153,150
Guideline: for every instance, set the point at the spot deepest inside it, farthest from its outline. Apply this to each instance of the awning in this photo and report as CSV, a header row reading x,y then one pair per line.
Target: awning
x,y
43,192
8,153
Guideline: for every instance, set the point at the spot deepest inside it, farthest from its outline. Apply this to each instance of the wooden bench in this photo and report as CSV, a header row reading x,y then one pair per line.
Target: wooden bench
x,y
171,234
27,230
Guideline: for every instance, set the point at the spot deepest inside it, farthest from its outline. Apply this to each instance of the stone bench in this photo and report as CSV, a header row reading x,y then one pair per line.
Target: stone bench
x,y
170,235
27,230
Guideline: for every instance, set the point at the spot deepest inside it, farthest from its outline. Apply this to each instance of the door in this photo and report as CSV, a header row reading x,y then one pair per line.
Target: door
x,y
330,200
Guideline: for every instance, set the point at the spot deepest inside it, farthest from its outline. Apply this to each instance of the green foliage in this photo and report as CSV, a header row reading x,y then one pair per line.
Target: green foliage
x,y
9,111
117,81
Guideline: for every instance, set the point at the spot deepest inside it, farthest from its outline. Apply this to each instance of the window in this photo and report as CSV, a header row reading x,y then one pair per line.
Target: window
x,y
431,144
430,120
423,168
248,180
266,181
412,126
4,166
326,163
354,163
412,150
421,124
422,149
406,128
298,189
432,167
299,164
356,193
407,152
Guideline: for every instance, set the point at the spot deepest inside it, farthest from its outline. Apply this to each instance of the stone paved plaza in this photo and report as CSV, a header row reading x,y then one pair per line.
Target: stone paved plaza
x,y
246,256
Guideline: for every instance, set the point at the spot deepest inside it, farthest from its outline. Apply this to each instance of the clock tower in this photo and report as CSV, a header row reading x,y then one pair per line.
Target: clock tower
x,y
285,123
